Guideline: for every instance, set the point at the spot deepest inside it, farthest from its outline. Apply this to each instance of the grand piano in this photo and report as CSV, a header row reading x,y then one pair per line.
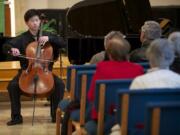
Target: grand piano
x,y
91,20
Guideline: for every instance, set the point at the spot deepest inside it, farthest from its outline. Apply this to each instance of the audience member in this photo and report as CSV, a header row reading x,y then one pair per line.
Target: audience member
x,y
102,56
116,68
175,38
149,31
160,55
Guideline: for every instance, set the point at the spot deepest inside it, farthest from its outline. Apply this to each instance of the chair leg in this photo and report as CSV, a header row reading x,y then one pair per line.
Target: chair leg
x,y
69,127
53,110
80,131
83,131
58,121
77,127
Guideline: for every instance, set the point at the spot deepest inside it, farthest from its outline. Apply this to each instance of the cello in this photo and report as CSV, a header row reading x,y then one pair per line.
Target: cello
x,y
37,80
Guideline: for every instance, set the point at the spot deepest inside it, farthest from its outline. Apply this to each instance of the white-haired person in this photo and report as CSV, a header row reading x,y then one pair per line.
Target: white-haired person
x,y
175,38
102,56
150,31
160,55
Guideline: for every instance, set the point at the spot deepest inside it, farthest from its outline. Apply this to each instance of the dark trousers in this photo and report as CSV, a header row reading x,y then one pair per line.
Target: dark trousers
x,y
15,93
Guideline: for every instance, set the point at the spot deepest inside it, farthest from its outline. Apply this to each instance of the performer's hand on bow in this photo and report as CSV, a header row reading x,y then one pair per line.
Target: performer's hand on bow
x,y
15,52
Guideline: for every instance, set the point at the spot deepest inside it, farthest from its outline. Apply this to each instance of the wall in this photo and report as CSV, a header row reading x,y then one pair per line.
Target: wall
x,y
22,5
61,3
69,3
164,2
1,16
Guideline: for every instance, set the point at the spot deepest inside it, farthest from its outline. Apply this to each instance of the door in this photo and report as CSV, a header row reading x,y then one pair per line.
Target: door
x,y
7,19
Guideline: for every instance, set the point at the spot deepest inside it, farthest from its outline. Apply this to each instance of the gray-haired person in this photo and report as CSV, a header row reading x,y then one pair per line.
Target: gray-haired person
x,y
160,55
101,56
149,31
175,38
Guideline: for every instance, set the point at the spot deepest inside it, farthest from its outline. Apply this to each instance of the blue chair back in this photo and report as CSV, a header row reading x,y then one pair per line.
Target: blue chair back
x,y
89,74
82,86
77,68
110,91
169,119
135,103
105,98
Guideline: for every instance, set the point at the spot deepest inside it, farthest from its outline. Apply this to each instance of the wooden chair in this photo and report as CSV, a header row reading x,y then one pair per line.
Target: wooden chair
x,y
70,97
131,110
71,86
78,116
105,98
77,68
162,118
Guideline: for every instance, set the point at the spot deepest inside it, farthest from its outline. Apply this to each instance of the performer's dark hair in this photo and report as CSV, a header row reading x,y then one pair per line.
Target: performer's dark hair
x,y
30,13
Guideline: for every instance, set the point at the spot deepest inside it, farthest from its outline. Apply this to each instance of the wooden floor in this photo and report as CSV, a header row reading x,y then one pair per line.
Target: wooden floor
x,y
42,120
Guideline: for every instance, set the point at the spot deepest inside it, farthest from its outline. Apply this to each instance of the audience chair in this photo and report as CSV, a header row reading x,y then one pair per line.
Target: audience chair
x,y
78,116
105,99
77,68
132,105
70,86
162,118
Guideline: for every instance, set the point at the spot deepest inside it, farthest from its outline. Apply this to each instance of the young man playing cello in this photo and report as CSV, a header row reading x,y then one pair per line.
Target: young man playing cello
x,y
16,47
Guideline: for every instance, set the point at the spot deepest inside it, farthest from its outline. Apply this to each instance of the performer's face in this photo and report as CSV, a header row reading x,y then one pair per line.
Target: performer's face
x,y
33,23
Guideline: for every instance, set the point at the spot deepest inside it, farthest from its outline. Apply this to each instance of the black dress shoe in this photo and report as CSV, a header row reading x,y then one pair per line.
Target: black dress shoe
x,y
15,121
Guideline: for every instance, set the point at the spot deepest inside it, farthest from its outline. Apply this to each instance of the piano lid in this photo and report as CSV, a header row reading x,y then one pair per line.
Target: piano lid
x,y
98,17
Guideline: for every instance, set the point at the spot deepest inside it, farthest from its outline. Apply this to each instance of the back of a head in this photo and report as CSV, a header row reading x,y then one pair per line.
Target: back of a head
x,y
175,38
174,35
160,53
151,30
111,35
118,49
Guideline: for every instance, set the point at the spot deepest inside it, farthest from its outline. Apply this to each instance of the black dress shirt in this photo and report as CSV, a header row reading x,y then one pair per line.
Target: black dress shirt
x,y
22,41
139,55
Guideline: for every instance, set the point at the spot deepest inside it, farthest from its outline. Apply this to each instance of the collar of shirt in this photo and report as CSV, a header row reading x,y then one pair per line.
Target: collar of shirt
x,y
31,35
156,69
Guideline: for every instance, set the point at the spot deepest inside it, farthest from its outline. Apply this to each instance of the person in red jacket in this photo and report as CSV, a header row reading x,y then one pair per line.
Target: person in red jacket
x,y
118,67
